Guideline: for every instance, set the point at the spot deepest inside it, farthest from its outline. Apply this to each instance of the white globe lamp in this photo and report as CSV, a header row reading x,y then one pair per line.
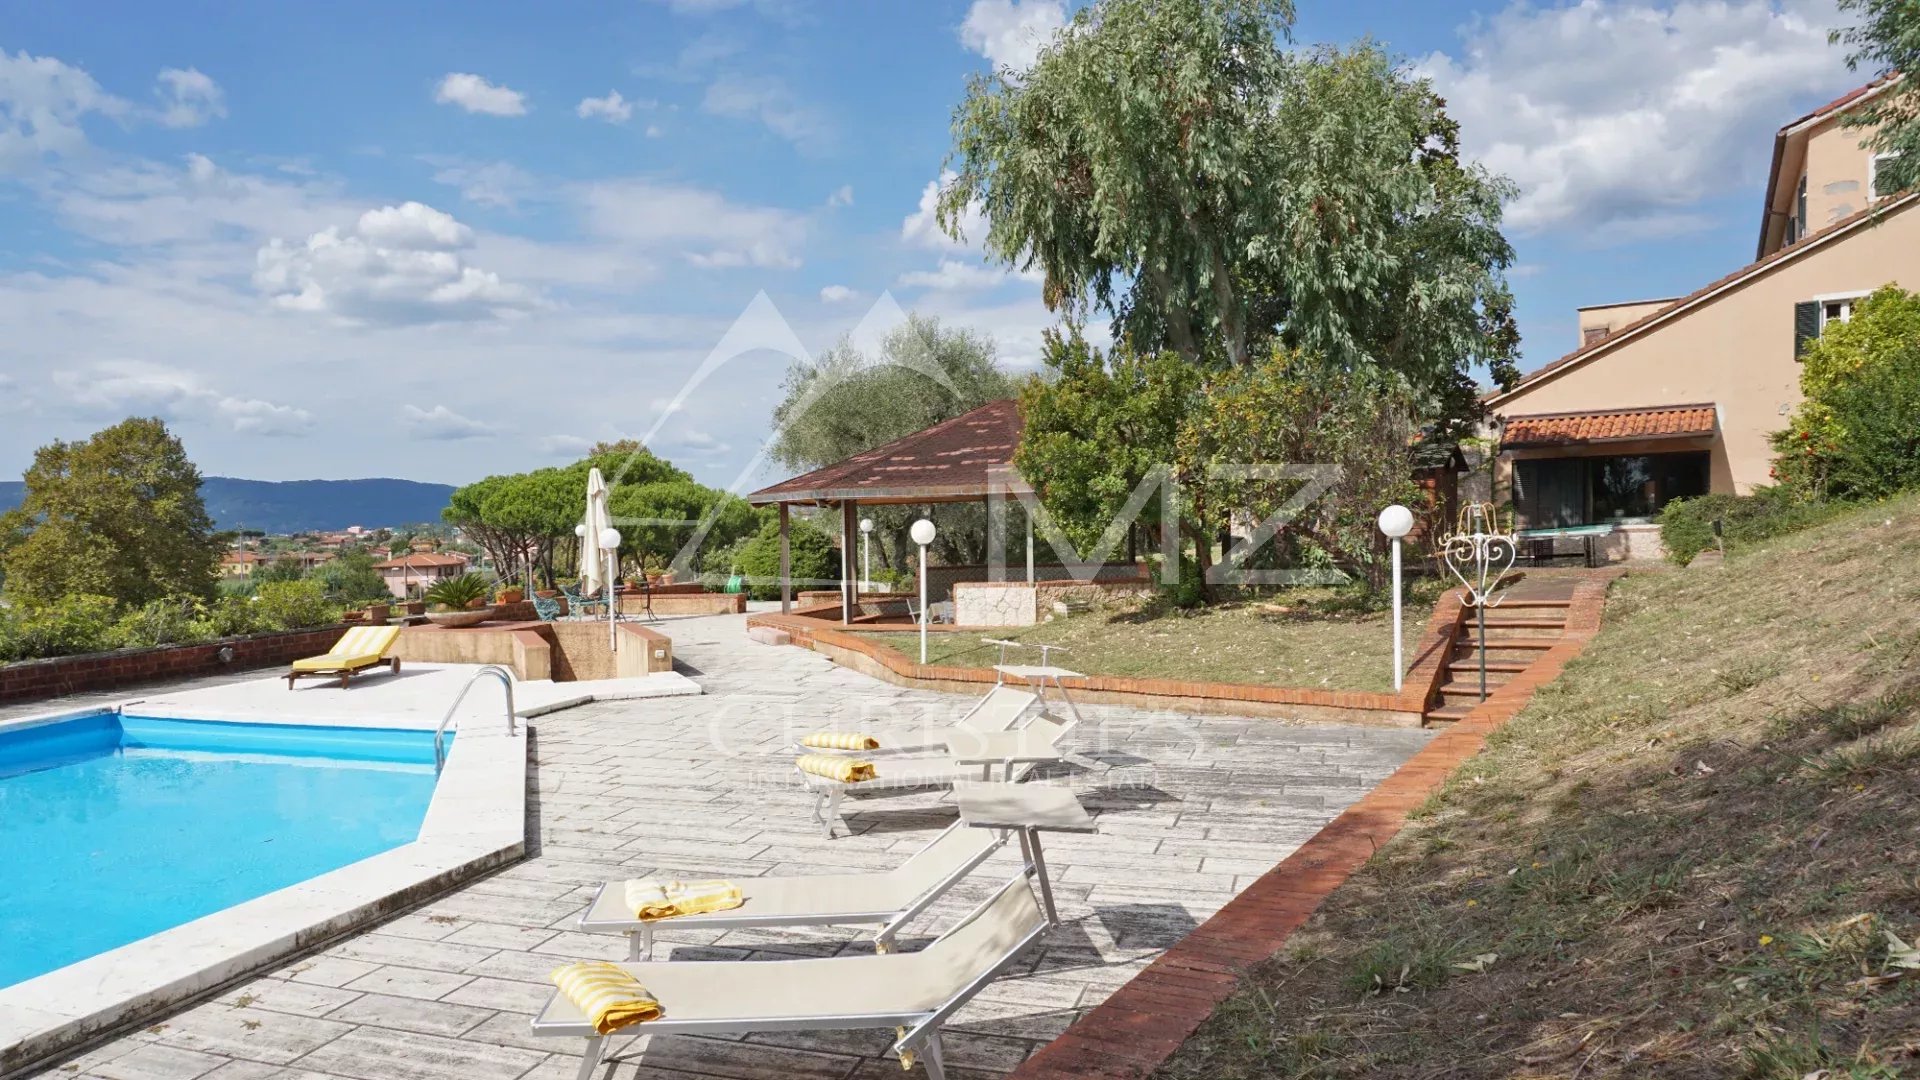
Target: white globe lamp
x,y
923,533
1396,522
866,555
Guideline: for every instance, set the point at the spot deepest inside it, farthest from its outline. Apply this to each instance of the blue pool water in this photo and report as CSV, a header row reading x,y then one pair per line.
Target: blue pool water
x,y
116,827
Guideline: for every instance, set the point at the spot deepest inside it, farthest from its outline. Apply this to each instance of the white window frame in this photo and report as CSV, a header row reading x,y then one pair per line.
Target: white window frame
x,y
1844,298
1873,173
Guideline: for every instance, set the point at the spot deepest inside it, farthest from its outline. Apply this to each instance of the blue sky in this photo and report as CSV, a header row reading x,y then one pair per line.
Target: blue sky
x,y
437,241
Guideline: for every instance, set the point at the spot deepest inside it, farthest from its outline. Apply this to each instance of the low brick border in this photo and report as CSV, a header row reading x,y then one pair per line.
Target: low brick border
x,y
34,680
808,628
1139,1027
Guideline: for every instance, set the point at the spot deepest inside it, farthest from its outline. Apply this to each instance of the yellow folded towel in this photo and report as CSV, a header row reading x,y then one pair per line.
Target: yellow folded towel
x,y
664,899
840,740
845,770
610,997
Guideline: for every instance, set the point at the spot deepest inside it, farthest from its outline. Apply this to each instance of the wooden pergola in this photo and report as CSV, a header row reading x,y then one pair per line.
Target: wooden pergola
x,y
966,459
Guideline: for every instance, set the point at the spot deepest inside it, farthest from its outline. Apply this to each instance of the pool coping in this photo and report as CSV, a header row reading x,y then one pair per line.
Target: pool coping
x,y
475,823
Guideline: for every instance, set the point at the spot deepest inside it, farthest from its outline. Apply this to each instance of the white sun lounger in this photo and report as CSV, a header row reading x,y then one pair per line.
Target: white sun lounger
x,y
916,992
891,898
922,772
999,710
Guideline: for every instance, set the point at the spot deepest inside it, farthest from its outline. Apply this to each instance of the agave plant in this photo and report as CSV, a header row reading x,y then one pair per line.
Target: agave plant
x,y
458,593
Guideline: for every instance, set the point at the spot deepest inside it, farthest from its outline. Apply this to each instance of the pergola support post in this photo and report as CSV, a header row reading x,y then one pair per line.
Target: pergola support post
x,y
786,566
849,580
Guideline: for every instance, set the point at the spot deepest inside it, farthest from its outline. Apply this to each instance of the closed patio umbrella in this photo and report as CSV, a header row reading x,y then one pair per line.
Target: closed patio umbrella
x,y
593,571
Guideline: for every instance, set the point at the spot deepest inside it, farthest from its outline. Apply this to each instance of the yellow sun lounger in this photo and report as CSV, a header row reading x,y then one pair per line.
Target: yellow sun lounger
x,y
357,650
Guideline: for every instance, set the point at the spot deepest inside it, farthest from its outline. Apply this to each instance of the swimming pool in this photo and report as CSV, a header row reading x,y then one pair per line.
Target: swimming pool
x,y
116,827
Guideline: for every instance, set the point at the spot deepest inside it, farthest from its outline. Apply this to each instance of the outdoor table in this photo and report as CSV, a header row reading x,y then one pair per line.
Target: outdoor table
x,y
1588,535
1028,810
1023,746
1039,675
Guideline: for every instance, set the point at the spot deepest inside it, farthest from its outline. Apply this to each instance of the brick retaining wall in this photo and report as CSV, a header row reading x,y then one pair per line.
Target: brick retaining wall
x,y
32,680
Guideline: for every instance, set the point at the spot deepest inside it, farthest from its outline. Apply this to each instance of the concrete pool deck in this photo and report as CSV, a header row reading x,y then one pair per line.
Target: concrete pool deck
x,y
1190,809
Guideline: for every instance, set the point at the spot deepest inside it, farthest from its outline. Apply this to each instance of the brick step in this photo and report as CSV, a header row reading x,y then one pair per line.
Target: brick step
x,y
1471,643
1447,714
1466,691
1519,622
1539,605
1471,666
1500,652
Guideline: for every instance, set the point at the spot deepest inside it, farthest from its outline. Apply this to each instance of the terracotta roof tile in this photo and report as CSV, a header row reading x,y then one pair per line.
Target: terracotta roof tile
x,y
1557,429
950,460
421,560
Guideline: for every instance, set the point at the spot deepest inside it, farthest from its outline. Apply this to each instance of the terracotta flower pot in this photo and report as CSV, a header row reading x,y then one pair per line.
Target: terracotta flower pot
x,y
512,596
379,612
416,607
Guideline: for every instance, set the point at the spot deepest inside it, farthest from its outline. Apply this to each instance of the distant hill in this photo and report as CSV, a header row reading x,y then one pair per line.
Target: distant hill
x,y
286,506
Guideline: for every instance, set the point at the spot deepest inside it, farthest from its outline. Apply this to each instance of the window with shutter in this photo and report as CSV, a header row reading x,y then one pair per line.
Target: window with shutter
x,y
1806,325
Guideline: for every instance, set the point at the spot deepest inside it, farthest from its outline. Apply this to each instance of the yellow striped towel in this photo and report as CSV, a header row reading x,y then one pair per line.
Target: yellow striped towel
x,y
610,997
664,899
845,770
840,740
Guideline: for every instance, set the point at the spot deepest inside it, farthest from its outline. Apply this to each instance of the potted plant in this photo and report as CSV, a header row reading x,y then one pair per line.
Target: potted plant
x,y
459,600
415,607
379,613
511,594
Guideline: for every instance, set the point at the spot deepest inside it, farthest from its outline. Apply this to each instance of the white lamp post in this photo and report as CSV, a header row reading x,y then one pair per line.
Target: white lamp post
x,y
610,543
866,554
923,533
1396,521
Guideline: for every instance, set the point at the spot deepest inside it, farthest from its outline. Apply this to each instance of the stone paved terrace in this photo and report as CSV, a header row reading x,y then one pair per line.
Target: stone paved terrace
x,y
1190,810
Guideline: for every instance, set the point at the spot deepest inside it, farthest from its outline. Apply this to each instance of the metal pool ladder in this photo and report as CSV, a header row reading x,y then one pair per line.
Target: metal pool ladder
x,y
439,733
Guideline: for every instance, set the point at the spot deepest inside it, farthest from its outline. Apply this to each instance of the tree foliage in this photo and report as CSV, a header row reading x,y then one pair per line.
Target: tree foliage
x,y
1856,433
660,520
118,514
1168,162
1887,40
846,402
810,550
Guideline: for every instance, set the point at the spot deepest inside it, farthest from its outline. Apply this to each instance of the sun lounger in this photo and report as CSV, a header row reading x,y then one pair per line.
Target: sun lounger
x,y
890,899
359,649
999,710
914,993
940,771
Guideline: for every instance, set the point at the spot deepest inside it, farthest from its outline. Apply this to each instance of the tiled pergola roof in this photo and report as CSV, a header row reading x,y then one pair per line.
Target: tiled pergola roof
x,y
955,460
1608,425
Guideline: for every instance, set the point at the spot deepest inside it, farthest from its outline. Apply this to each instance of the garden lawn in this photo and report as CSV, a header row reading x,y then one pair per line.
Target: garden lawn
x,y
1302,639
1697,854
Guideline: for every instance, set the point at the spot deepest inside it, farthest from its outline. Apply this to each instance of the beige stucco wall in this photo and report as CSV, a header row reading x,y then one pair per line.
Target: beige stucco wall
x,y
1836,169
1735,350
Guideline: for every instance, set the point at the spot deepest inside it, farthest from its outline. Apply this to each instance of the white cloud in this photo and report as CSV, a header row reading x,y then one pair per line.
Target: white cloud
x,y
772,103
704,227
188,98
396,265
566,446
477,95
613,108
132,387
654,131
838,294
442,423
842,196
1011,33
922,227
495,183
953,275
1621,117
42,104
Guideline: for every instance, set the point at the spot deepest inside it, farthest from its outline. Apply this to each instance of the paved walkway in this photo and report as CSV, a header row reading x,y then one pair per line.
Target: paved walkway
x,y
1190,810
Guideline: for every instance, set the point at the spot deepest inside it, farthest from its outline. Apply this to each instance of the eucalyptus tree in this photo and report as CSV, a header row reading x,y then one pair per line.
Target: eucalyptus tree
x,y
1171,164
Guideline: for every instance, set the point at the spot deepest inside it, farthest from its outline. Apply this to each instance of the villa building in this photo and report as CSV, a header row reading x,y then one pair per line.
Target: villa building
x,y
1676,397
416,571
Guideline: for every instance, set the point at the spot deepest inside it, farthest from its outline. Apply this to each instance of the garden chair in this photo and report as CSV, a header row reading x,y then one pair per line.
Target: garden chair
x,y
913,993
578,604
358,649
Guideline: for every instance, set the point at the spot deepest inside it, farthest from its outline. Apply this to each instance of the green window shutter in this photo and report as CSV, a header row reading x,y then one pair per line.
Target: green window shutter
x,y
1806,326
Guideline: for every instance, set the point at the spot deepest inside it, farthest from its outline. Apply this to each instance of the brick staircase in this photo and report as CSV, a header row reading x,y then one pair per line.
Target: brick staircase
x,y
1519,631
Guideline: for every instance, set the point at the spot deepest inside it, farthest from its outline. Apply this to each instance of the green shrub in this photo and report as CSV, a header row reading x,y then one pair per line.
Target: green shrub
x,y
228,616
1854,435
66,627
293,605
1686,525
814,562
174,621
455,593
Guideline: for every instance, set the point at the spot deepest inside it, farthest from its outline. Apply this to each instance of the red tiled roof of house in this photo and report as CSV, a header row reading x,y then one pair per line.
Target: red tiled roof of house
x,y
1840,102
421,560
950,460
1608,425
1802,246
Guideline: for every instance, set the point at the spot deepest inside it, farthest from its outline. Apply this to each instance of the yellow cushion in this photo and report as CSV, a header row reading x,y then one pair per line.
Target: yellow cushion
x,y
664,899
607,993
840,740
845,770
336,662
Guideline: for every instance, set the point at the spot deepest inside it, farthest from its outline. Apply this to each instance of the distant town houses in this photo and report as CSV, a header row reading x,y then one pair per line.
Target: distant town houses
x,y
417,570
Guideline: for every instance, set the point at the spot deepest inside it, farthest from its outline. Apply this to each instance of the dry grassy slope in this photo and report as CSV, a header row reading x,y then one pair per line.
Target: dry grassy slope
x,y
1687,855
